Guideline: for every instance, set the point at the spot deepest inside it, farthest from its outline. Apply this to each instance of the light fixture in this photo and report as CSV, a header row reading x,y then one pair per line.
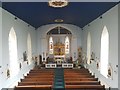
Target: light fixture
x,y
58,20
58,3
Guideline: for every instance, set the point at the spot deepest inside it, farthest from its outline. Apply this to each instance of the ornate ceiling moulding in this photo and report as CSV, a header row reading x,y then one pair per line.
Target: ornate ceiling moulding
x,y
58,20
58,3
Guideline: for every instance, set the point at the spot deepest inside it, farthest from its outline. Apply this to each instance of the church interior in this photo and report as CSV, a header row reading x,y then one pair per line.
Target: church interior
x,y
59,45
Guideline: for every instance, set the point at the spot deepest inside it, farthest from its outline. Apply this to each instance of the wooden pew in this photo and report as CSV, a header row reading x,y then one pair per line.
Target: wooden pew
x,y
34,87
79,76
41,72
40,76
84,87
35,83
81,79
43,80
37,79
82,82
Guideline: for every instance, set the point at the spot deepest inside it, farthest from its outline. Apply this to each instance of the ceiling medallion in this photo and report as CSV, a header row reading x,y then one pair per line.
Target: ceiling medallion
x,y
58,20
58,3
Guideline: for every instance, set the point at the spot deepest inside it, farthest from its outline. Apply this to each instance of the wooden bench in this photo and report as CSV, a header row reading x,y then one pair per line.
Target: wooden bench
x,y
34,87
79,76
35,83
82,83
84,87
81,79
42,76
44,80
37,79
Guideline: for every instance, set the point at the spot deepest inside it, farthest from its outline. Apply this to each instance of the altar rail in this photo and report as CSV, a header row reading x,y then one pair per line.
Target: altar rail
x,y
64,65
67,65
50,65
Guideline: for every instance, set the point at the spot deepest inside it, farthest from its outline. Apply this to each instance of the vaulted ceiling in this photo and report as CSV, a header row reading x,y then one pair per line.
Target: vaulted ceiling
x,y
39,13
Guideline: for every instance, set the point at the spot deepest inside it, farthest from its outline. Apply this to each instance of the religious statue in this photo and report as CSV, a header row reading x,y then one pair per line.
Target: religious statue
x,y
25,56
93,56
110,71
36,61
67,47
50,46
20,66
97,65
8,73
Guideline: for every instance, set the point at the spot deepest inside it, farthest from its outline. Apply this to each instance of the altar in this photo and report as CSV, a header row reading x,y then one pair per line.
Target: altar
x,y
59,59
59,52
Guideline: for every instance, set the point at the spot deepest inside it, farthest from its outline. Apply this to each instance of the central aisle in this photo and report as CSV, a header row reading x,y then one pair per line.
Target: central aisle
x,y
59,79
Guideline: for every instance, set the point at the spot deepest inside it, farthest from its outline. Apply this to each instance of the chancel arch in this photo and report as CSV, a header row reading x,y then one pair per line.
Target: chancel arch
x,y
59,44
57,33
13,56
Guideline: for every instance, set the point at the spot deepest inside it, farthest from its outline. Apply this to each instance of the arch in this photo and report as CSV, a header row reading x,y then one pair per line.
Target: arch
x,y
59,30
88,48
104,57
66,26
29,48
13,56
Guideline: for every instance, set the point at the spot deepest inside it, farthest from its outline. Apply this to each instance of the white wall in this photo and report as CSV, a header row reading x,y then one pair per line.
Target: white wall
x,y
76,37
119,45
0,42
110,20
21,28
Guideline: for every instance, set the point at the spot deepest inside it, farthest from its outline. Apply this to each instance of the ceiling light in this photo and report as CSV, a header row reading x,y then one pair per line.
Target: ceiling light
x,y
58,3
58,20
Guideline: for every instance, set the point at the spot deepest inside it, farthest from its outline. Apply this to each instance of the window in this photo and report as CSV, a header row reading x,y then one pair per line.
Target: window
x,y
14,66
50,45
29,47
104,52
88,48
67,45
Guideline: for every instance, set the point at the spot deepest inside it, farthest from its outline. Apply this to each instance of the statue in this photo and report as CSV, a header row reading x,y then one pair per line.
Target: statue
x,y
24,56
50,46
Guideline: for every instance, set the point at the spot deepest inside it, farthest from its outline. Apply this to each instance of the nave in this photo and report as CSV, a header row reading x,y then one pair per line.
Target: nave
x,y
86,37
70,79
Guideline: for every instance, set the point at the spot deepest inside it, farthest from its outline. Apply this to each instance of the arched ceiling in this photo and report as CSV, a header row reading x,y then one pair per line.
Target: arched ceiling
x,y
76,13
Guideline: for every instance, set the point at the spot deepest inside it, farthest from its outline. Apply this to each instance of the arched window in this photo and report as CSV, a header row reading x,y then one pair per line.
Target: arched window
x,y
14,66
50,45
29,48
88,48
67,45
104,51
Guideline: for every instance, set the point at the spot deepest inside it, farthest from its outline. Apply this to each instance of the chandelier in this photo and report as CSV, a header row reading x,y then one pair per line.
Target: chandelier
x,y
58,3
58,20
